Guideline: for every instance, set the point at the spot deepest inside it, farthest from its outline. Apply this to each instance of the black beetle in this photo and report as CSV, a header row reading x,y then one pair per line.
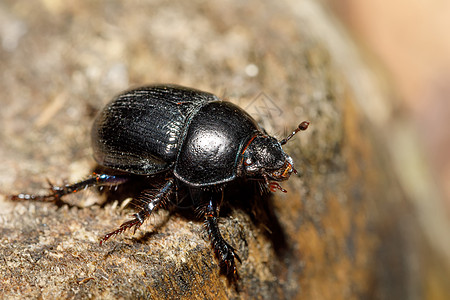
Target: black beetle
x,y
193,137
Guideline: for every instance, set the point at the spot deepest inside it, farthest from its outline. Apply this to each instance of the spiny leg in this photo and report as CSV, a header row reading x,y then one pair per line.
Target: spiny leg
x,y
224,251
144,213
56,192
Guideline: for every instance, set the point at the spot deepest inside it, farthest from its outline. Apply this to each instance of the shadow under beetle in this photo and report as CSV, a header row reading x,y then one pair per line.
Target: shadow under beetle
x,y
194,139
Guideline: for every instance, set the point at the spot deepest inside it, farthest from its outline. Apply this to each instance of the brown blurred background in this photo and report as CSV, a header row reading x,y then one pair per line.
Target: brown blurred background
x,y
410,42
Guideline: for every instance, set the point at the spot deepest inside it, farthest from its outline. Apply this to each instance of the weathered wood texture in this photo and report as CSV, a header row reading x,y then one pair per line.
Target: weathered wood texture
x,y
341,232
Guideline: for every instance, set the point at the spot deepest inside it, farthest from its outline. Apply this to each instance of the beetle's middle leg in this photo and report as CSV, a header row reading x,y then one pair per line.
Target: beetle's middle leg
x,y
56,192
144,213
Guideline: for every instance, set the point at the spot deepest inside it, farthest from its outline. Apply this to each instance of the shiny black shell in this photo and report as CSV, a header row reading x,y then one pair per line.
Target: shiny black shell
x,y
167,127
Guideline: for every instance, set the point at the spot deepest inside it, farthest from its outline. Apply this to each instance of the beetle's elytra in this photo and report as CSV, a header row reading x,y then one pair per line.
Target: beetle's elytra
x,y
195,139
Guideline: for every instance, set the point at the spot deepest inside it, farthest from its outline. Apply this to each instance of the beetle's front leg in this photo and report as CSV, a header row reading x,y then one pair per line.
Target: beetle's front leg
x,y
224,251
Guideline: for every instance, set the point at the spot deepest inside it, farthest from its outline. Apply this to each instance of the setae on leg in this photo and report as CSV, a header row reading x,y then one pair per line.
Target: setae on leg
x,y
144,213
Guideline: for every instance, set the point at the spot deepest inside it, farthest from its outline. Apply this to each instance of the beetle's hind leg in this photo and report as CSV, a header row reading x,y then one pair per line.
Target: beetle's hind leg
x,y
56,192
225,253
145,212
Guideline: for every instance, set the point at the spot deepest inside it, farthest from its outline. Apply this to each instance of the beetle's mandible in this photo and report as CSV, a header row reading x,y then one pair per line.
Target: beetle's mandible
x,y
191,136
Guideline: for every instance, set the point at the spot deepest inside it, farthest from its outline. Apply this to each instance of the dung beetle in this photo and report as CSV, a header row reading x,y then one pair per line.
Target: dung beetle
x,y
192,137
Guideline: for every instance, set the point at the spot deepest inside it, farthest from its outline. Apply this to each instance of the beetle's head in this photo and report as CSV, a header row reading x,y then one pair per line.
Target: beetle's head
x,y
264,157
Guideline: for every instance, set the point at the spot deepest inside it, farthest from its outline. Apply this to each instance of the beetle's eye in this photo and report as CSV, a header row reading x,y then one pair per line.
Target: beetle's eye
x,y
248,161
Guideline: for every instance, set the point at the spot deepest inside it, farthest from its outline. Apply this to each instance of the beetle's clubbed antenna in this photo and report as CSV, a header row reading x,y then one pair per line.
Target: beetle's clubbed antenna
x,y
302,126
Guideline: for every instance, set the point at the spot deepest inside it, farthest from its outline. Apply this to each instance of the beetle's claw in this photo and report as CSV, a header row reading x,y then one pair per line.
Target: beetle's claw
x,y
227,256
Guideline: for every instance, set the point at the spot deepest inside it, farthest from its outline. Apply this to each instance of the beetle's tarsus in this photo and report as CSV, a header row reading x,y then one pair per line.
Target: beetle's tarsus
x,y
125,226
56,192
228,259
32,197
